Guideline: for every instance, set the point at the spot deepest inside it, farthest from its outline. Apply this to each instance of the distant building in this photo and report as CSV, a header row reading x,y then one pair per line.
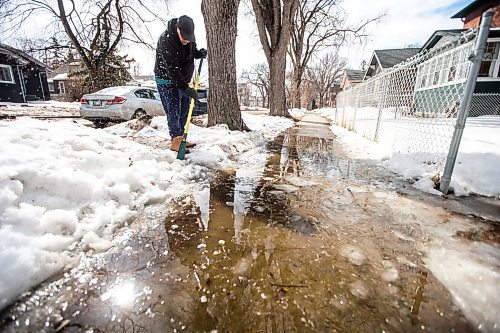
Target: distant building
x,y
471,14
59,80
22,77
447,69
489,73
244,93
450,67
351,77
384,59
143,81
331,96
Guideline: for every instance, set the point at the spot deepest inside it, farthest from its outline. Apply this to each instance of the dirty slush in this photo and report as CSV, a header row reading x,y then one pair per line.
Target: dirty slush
x,y
314,242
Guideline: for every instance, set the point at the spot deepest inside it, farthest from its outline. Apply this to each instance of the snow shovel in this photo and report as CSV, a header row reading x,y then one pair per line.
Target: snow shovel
x,y
182,148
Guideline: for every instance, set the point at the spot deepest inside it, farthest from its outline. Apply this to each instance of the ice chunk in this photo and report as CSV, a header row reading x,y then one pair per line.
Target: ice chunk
x,y
353,254
359,289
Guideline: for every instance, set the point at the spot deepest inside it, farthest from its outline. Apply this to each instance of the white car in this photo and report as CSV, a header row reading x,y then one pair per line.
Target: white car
x,y
121,103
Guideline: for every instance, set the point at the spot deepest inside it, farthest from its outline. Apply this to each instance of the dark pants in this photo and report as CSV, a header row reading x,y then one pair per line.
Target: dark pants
x,y
176,106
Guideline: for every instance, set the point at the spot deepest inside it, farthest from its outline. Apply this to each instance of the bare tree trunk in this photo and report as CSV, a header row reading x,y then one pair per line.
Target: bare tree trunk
x,y
321,100
221,25
277,95
275,20
318,25
296,84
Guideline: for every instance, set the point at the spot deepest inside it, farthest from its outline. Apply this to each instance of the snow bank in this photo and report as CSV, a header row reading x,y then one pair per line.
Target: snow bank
x,y
297,113
63,185
476,168
469,271
65,188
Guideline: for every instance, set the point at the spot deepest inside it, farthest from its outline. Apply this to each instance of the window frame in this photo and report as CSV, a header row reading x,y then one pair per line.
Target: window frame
x,y
151,94
9,67
495,74
437,69
144,91
62,87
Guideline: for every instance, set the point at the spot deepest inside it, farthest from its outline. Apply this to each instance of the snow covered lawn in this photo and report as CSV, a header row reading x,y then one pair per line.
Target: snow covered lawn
x,y
65,188
476,170
40,108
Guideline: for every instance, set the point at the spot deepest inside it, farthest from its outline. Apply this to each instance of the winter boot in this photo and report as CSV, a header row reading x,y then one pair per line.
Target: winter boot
x,y
176,143
190,144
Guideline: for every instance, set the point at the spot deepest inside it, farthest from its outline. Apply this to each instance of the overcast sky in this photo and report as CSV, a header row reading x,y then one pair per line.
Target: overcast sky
x,y
405,22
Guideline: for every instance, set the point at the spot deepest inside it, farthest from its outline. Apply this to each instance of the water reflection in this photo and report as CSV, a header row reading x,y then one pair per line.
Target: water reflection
x,y
123,294
267,265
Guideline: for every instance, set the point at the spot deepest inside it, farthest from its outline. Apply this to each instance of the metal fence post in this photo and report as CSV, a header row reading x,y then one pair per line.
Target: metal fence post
x,y
381,105
355,114
343,118
465,101
337,108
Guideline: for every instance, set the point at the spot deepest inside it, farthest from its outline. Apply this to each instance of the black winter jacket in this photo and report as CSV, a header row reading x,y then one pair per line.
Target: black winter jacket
x,y
174,61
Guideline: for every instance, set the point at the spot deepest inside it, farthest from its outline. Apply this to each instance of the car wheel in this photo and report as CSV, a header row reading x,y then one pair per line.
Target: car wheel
x,y
140,113
100,123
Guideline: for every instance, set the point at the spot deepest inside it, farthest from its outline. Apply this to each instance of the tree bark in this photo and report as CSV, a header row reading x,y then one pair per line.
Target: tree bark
x,y
277,95
296,85
221,26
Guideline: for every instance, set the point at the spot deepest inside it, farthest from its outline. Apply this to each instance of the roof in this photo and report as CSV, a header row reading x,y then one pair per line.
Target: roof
x,y
441,37
143,77
391,57
16,53
475,5
65,69
354,74
60,77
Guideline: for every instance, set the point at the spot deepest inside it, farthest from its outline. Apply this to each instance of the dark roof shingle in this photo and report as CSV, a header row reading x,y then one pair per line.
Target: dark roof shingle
x,y
12,51
354,74
391,57
475,5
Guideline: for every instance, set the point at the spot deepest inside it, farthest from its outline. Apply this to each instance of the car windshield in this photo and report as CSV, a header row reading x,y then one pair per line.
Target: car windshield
x,y
115,90
202,94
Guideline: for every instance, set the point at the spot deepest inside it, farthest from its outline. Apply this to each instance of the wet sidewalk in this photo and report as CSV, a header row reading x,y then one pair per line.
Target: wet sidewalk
x,y
300,239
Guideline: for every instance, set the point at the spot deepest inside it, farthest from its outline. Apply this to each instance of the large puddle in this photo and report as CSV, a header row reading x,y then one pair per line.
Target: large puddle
x,y
302,240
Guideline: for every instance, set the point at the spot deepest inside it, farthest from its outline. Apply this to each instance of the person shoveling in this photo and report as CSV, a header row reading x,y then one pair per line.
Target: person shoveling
x,y
175,54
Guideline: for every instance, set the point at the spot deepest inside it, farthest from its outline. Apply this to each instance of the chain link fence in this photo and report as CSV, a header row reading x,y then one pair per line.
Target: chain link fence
x,y
485,104
412,107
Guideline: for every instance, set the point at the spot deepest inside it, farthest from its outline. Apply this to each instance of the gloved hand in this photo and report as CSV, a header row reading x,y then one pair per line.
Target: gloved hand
x,y
191,93
203,53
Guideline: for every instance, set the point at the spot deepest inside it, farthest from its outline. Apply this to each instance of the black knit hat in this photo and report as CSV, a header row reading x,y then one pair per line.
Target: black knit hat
x,y
186,26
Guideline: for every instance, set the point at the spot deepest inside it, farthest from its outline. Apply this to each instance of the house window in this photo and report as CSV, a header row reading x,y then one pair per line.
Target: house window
x,y
51,87
423,72
447,68
452,71
6,75
489,67
62,88
437,70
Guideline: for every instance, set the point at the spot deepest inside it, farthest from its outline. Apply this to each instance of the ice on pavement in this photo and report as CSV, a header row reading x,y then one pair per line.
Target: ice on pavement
x,y
466,271
353,254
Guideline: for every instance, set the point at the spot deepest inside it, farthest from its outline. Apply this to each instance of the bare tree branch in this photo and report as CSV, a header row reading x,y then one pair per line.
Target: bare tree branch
x,y
258,76
275,19
319,24
95,28
325,73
